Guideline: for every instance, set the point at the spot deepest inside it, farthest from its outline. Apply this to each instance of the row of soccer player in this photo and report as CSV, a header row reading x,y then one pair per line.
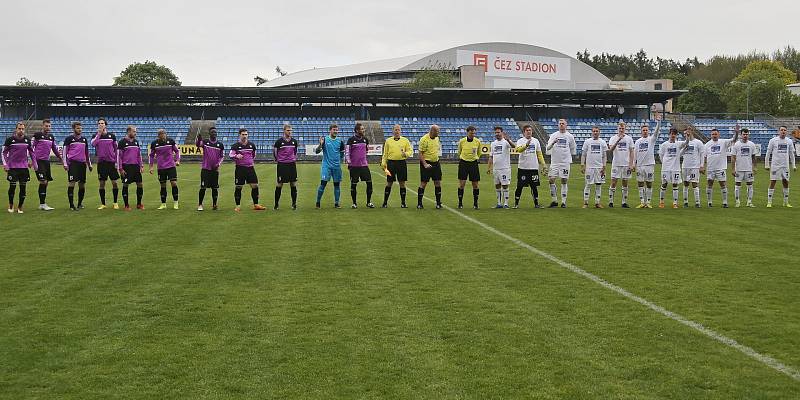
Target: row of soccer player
x,y
123,159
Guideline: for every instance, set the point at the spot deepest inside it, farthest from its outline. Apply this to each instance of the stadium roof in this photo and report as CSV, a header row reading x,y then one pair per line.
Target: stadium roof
x,y
122,95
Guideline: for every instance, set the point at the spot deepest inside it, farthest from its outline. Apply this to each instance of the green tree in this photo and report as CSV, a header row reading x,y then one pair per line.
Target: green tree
x,y
28,83
433,78
147,73
702,97
767,82
723,69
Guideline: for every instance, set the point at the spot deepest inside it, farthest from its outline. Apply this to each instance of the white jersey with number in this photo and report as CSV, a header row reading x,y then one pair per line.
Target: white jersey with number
x,y
622,151
501,155
744,152
563,148
717,154
780,153
645,150
528,158
670,153
594,150
693,154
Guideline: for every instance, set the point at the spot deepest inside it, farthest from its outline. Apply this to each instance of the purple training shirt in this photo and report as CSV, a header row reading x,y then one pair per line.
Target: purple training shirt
x,y
128,153
285,150
76,149
16,151
106,147
165,153
248,152
213,153
43,144
356,151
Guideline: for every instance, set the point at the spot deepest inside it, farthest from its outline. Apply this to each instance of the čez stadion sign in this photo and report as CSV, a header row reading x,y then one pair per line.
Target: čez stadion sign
x,y
517,65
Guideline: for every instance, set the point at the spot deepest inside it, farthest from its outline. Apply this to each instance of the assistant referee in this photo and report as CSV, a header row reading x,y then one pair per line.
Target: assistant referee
x,y
469,151
395,152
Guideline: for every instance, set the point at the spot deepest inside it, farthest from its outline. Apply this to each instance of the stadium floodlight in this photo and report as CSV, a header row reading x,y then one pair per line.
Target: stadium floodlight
x,y
747,86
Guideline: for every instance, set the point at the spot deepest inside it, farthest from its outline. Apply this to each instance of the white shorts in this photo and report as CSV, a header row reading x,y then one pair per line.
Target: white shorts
x,y
673,177
502,176
779,174
621,172
559,171
744,176
719,175
645,173
594,176
691,175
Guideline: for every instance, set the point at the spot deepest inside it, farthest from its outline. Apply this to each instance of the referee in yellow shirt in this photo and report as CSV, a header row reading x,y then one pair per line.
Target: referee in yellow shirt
x,y
429,168
469,152
395,152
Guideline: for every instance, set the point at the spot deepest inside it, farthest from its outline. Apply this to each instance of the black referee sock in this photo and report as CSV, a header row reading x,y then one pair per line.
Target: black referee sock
x,y
353,192
139,194
214,195
475,193
369,192
22,193
70,195
163,194
535,193
461,196
254,195
420,195
438,191
42,193
175,193
402,195
237,196
125,198
294,195
115,194
201,195
81,194
102,196
278,191
386,192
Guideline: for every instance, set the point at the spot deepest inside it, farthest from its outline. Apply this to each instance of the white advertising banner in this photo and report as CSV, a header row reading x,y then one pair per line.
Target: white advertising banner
x,y
517,65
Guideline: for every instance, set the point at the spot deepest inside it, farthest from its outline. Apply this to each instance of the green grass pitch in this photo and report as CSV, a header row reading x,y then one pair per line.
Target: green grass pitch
x,y
395,303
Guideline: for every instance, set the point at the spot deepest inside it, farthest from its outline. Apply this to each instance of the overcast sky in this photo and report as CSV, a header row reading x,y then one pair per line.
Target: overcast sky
x,y
229,42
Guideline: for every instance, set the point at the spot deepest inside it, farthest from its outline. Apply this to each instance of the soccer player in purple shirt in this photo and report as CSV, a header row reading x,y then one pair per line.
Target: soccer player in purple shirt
x,y
213,154
43,144
285,153
243,153
16,151
105,144
130,166
76,160
165,153
355,156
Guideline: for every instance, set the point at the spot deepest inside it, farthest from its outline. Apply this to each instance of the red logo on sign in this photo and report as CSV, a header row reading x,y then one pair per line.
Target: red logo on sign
x,y
481,60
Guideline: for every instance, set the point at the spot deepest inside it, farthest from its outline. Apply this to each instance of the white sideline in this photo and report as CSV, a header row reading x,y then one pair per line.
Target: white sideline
x,y
764,359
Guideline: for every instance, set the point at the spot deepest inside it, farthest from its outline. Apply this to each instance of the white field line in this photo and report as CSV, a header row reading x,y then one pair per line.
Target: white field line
x,y
764,359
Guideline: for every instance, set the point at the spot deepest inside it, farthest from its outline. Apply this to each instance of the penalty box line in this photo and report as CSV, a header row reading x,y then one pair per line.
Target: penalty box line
x,y
696,326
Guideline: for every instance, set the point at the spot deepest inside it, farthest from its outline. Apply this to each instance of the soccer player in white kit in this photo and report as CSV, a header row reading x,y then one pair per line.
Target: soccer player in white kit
x,y
531,161
562,147
780,153
646,163
693,165
594,155
743,159
622,166
670,154
500,165
716,154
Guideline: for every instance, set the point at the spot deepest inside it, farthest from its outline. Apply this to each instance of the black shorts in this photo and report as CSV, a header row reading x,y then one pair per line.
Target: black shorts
x,y
107,170
21,175
468,170
398,170
76,172
287,172
167,174
133,174
527,177
433,173
360,173
43,173
245,175
209,179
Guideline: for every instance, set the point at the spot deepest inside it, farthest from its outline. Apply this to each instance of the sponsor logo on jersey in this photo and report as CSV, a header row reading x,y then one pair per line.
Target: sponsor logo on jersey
x,y
745,151
595,148
672,151
644,146
716,148
783,147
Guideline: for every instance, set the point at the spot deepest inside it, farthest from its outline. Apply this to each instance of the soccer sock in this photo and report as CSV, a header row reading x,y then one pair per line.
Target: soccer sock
x,y
662,193
709,194
517,195
42,193
237,196
535,193
115,194
642,191
254,195
23,190
81,194
697,195
163,194
505,197
12,188
553,193
725,195
770,193
369,192
386,192
353,192
321,190
586,192
420,195
438,192
402,195
102,196
624,195
598,193
214,195
564,189
648,195
337,191
293,190
139,195
785,194
70,195
686,194
475,194
175,193
125,196
278,191
460,196
674,195
611,192
749,193
201,195
499,194
737,193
